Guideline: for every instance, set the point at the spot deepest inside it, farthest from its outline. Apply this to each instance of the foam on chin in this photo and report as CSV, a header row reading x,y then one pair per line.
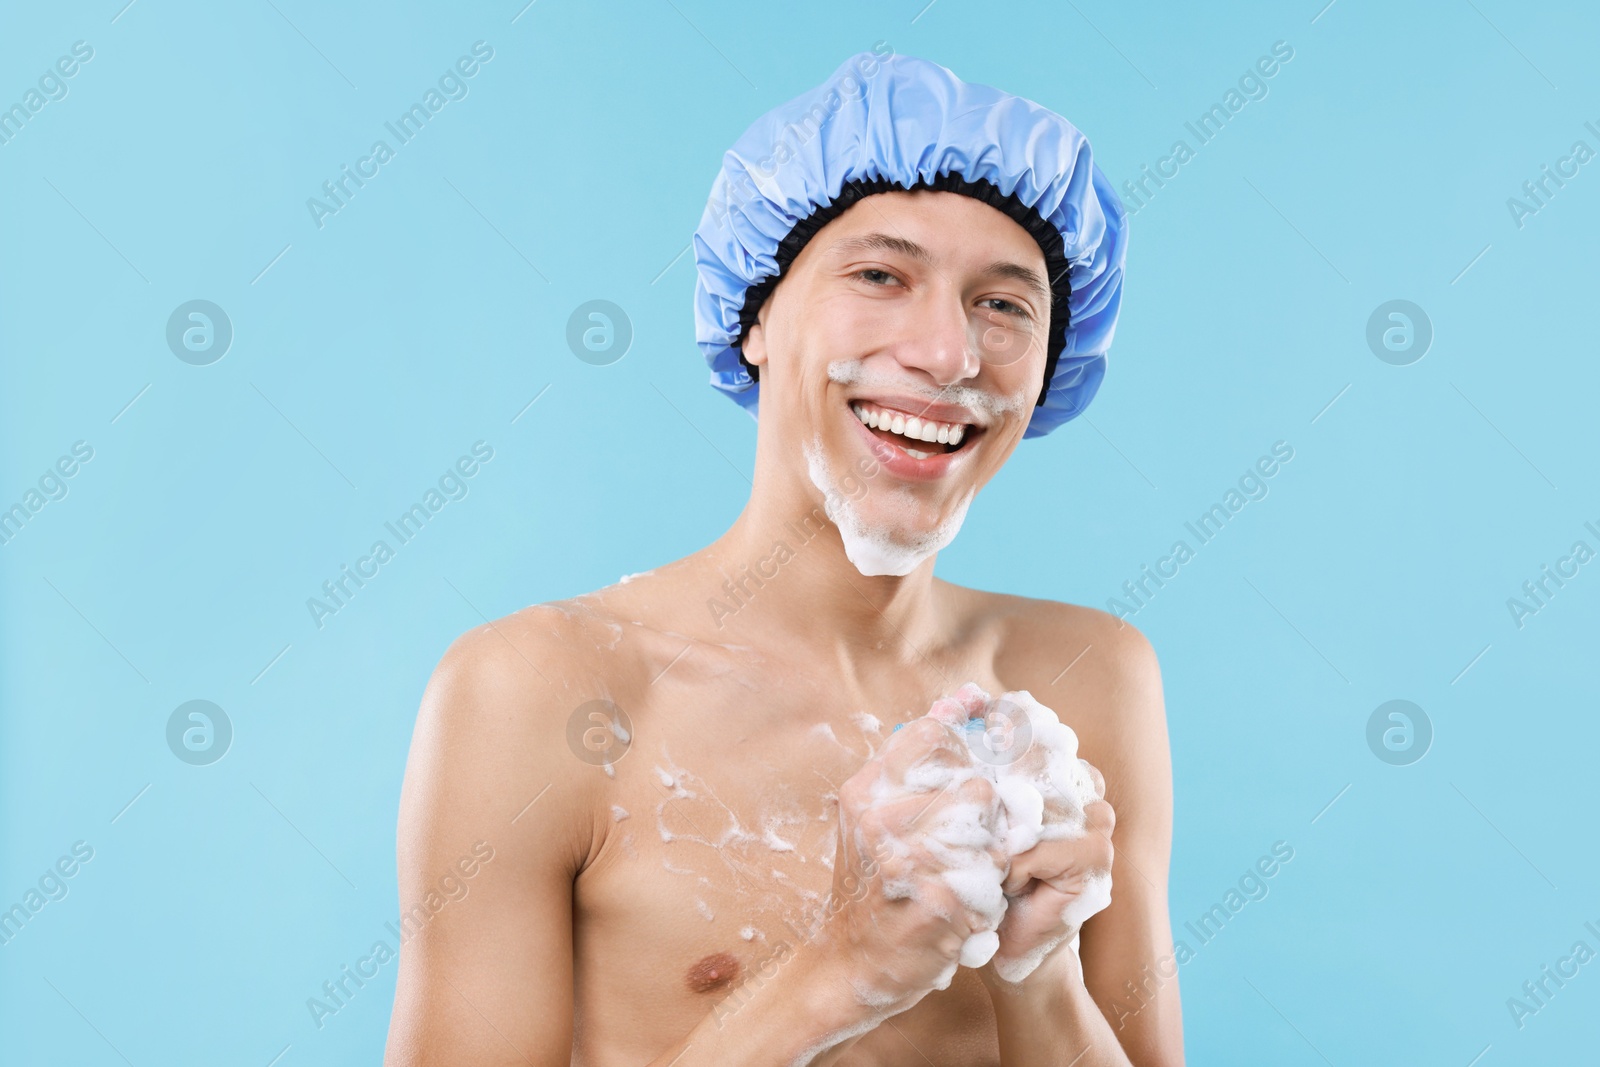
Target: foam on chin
x,y
878,550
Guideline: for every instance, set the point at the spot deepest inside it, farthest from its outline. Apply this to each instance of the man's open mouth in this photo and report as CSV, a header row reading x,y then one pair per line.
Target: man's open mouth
x,y
916,436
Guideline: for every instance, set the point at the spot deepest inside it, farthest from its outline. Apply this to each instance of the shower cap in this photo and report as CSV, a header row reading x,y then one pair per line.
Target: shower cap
x,y
884,122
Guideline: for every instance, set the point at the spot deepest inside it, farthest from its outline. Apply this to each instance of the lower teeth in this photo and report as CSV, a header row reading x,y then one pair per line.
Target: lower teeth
x,y
914,454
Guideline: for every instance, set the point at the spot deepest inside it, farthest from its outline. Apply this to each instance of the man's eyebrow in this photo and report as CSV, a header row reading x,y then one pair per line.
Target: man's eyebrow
x,y
883,242
1026,275
887,242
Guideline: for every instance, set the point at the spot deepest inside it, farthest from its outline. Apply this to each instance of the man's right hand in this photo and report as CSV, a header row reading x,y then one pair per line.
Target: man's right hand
x,y
896,928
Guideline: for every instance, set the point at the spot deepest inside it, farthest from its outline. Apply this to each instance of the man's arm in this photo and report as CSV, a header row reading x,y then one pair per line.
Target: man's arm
x,y
1051,1017
1131,941
486,979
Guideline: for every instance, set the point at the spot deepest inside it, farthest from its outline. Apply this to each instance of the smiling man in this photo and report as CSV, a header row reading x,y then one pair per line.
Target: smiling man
x,y
714,843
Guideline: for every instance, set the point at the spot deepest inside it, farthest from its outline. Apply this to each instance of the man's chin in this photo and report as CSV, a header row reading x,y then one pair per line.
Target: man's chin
x,y
887,529
889,546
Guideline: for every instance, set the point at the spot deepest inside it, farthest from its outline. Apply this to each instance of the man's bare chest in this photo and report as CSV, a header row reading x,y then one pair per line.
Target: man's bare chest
x,y
716,861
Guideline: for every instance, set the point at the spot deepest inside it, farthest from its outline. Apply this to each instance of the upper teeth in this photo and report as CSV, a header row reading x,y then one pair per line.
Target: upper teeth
x,y
910,425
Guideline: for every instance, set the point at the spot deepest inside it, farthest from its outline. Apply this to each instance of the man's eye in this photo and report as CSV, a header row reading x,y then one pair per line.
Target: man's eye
x,y
1007,307
876,276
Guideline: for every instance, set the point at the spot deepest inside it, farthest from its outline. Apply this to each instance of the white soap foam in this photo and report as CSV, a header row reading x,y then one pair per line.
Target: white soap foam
x,y
822,729
626,578
748,932
959,836
832,1040
1041,786
885,549
704,909
618,813
619,731
979,948
1031,756
1095,898
943,981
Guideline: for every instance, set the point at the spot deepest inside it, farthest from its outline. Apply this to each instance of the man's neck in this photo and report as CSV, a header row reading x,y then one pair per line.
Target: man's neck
x,y
779,577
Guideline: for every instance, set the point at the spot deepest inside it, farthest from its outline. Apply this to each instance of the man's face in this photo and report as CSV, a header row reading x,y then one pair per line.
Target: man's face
x,y
908,338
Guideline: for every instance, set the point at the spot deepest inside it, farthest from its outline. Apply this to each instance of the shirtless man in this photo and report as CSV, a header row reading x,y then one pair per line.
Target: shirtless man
x,y
674,774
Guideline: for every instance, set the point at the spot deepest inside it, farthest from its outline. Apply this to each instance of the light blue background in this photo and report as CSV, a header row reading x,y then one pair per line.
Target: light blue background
x,y
430,311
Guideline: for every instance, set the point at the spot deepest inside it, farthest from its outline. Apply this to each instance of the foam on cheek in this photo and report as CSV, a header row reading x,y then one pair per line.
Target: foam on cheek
x,y
845,371
853,372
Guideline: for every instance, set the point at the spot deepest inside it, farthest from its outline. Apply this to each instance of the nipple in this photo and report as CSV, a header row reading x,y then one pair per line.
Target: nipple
x,y
714,972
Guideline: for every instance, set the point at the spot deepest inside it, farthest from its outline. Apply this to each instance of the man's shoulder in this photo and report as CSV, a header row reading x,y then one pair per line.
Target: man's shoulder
x,y
1039,630
1101,675
492,737
1087,663
524,674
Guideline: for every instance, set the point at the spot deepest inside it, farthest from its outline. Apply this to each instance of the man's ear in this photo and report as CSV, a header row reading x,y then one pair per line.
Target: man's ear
x,y
754,345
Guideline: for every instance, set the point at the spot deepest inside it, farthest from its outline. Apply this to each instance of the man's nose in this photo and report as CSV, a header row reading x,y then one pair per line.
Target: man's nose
x,y
940,342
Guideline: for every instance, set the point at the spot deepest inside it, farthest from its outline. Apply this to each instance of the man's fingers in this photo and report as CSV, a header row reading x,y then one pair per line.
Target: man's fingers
x,y
972,699
1097,778
1070,857
950,712
1099,818
922,740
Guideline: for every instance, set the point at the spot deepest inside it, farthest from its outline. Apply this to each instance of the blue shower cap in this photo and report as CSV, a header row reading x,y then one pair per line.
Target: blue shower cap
x,y
883,122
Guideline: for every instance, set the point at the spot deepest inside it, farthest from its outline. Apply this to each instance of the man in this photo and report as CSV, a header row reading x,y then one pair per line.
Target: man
x,y
709,840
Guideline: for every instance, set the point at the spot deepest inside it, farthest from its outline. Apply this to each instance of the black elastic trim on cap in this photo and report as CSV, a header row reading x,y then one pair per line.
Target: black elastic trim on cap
x,y
1048,238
